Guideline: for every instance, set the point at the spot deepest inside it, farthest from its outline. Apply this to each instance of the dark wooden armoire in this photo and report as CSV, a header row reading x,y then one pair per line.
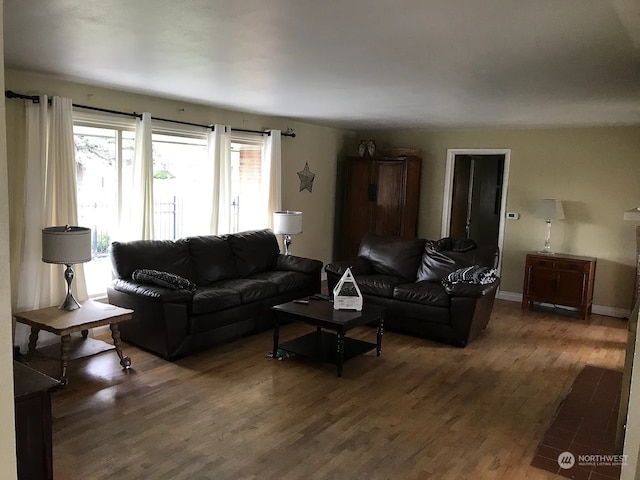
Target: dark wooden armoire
x,y
381,195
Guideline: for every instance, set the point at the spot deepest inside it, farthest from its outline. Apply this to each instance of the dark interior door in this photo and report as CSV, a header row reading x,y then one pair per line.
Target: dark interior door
x,y
460,196
484,217
476,198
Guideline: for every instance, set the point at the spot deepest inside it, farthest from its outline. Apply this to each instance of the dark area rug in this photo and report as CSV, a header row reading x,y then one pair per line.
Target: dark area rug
x,y
580,442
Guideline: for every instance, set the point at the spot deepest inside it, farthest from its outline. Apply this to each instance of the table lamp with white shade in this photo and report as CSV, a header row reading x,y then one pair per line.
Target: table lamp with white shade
x,y
67,246
287,223
550,209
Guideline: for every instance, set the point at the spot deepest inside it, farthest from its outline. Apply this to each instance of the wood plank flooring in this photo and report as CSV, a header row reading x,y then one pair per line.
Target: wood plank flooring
x,y
420,411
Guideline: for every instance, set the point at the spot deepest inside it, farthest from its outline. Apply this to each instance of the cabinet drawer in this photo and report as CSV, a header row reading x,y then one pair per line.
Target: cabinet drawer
x,y
541,262
572,266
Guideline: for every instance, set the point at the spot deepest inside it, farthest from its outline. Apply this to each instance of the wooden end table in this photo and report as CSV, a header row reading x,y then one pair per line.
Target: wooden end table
x,y
64,323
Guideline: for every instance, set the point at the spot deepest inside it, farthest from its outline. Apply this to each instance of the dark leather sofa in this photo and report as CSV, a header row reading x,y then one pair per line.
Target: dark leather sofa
x,y
237,278
404,276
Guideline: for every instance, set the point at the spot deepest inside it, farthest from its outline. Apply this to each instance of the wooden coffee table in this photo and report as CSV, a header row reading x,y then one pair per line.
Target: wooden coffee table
x,y
64,323
329,342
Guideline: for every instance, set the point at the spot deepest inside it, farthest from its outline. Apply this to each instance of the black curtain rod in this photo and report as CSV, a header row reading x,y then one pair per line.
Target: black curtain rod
x,y
36,99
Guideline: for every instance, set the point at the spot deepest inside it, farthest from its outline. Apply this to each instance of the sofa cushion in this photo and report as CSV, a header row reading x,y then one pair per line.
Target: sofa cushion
x,y
212,299
163,279
437,264
378,284
285,281
254,251
250,290
426,293
212,259
164,255
392,255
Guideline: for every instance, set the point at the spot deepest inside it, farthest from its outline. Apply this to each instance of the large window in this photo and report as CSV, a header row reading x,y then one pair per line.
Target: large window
x,y
104,162
179,177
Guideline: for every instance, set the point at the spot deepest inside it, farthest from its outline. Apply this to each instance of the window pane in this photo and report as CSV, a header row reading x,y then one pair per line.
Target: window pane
x,y
179,175
96,169
249,212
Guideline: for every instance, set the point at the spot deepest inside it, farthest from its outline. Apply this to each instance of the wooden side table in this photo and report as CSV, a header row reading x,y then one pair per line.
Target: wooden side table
x,y
64,323
560,279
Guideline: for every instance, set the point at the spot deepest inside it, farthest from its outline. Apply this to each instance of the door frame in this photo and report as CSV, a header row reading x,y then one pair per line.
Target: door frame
x,y
448,189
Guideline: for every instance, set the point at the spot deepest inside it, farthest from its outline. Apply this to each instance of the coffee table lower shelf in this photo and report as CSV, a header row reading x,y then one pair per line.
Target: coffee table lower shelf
x,y
323,346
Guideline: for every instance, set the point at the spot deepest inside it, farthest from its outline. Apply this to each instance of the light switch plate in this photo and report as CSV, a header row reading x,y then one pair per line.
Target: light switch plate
x,y
513,215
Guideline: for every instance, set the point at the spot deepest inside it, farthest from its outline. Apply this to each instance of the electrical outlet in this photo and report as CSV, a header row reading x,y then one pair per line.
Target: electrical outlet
x,y
513,215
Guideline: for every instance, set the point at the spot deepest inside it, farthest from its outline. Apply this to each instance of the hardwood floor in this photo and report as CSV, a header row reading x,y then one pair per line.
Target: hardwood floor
x,y
420,411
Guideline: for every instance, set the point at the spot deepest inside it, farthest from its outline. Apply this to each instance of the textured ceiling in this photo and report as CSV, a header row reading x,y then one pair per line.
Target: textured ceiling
x,y
350,63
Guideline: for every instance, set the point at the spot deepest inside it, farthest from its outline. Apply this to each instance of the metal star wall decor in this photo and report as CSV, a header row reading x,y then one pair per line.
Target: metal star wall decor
x,y
306,178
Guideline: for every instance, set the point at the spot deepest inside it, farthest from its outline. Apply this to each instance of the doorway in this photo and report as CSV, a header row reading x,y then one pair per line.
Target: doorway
x,y
475,195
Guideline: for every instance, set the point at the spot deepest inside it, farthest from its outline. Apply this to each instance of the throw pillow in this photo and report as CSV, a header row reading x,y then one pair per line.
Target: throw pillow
x,y
475,274
163,279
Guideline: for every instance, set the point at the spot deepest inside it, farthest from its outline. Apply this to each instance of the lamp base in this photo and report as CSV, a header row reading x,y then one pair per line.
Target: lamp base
x,y
69,303
287,244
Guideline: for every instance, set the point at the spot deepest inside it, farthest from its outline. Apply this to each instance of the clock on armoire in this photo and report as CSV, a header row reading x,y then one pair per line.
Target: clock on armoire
x,y
381,195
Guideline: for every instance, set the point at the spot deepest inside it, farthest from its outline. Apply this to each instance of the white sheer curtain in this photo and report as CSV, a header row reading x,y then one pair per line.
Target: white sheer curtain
x,y
49,199
219,157
272,171
140,224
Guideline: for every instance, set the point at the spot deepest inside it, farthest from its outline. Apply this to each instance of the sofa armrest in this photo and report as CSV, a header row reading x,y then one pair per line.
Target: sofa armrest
x,y
161,294
471,289
359,266
297,264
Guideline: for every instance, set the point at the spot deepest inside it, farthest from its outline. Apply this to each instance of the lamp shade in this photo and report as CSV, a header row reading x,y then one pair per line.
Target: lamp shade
x,y
67,245
550,209
287,222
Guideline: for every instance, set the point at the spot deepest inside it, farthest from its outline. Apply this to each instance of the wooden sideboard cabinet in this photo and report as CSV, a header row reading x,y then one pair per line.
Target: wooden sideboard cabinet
x,y
559,279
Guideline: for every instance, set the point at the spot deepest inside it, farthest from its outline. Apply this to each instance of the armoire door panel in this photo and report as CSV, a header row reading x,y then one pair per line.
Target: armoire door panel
x,y
358,206
389,202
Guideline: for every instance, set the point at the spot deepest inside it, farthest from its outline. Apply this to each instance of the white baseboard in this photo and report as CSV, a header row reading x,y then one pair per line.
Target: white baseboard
x,y
597,309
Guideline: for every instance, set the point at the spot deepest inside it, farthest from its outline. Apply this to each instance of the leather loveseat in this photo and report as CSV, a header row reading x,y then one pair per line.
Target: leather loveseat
x,y
237,278
405,277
